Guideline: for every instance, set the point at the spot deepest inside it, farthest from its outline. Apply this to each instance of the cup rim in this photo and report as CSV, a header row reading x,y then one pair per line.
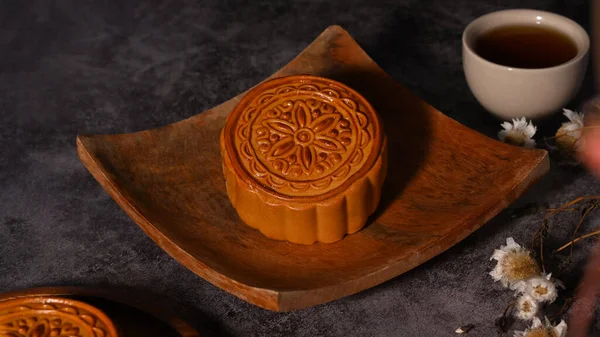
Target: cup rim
x,y
576,59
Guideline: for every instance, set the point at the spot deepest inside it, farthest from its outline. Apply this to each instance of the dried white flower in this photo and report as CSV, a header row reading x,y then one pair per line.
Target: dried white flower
x,y
540,288
575,123
560,330
569,134
515,264
538,329
519,133
526,307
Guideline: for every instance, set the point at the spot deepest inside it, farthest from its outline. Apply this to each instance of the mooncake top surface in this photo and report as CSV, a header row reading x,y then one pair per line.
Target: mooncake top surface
x,y
303,137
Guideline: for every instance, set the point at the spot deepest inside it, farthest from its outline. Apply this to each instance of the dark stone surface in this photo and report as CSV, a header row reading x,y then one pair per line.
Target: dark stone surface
x,y
73,66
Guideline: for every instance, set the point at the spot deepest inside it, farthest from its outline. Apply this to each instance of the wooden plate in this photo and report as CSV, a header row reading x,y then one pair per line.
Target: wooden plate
x,y
444,182
132,314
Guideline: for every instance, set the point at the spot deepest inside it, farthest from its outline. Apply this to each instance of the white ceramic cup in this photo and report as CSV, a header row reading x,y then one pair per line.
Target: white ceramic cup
x,y
510,92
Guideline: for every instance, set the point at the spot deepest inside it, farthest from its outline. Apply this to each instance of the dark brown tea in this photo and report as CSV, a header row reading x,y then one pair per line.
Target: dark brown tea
x,y
525,47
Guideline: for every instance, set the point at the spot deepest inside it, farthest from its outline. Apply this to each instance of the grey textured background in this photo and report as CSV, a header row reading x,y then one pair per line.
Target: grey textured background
x,y
91,66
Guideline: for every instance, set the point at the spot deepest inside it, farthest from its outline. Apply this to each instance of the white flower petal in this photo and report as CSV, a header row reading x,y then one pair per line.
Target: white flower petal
x,y
510,243
519,287
519,132
526,308
496,274
502,135
546,328
519,123
575,123
498,254
507,126
540,288
561,329
573,116
568,113
571,127
530,130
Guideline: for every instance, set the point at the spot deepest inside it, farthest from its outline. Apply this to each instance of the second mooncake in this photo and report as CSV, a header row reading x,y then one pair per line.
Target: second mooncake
x,y
304,159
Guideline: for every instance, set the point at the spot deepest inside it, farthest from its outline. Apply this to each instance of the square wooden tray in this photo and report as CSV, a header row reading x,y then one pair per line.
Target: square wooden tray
x,y
444,182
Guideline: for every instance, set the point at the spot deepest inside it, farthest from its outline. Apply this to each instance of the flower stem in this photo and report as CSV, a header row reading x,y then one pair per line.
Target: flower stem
x,y
577,239
508,307
563,309
587,211
542,231
568,132
573,202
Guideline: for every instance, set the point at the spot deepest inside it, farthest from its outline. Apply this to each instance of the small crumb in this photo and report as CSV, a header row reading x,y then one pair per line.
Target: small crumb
x,y
464,329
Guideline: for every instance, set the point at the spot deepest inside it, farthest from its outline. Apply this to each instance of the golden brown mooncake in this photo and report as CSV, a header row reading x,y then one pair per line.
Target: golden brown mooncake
x,y
304,159
46,316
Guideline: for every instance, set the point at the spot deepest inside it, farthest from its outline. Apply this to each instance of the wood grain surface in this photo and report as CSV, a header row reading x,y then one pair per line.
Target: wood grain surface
x,y
444,181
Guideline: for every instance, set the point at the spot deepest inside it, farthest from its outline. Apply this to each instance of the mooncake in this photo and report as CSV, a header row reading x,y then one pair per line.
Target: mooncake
x,y
304,159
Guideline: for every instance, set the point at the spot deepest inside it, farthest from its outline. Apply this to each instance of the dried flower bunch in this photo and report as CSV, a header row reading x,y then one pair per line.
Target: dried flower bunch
x,y
515,264
517,270
569,134
520,132
546,329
